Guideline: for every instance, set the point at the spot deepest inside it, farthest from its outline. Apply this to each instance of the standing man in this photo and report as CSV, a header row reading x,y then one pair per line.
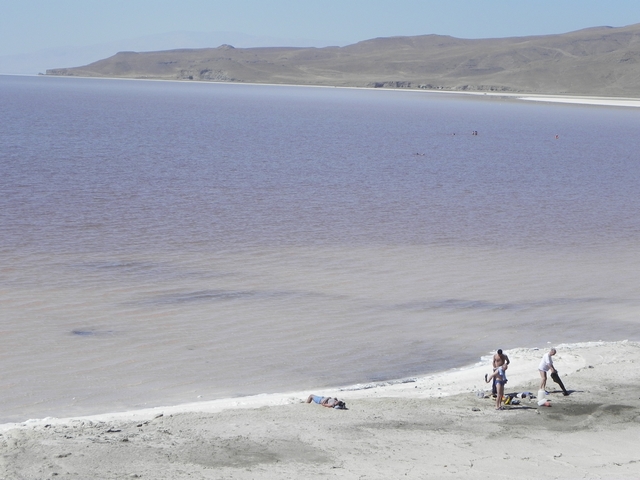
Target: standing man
x,y
546,364
499,360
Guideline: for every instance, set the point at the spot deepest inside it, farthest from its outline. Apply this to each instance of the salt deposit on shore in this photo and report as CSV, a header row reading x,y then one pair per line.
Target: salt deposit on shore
x,y
569,99
603,101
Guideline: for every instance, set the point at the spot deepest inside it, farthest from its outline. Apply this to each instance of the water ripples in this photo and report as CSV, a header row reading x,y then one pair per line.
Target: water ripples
x,y
216,240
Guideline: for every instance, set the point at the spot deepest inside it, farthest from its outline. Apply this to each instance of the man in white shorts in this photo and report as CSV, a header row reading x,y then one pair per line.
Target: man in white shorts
x,y
546,364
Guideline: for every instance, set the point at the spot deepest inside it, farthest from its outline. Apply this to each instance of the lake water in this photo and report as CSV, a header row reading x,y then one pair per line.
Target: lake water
x,y
163,243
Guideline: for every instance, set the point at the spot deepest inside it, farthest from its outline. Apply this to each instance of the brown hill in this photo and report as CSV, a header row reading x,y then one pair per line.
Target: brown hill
x,y
596,61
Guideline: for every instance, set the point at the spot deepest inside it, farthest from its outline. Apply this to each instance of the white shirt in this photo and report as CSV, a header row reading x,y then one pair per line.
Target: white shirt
x,y
546,363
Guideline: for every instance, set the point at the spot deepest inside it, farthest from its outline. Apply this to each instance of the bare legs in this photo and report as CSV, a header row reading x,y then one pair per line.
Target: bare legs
x,y
499,382
543,380
500,394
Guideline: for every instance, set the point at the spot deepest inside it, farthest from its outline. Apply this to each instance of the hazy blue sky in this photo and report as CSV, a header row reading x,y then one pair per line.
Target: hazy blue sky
x,y
31,25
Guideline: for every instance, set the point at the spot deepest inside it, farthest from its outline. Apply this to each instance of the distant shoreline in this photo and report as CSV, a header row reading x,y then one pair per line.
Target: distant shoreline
x,y
589,100
580,100
536,97
593,62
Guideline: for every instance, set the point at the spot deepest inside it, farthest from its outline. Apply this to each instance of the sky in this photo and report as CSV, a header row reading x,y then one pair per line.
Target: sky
x,y
31,25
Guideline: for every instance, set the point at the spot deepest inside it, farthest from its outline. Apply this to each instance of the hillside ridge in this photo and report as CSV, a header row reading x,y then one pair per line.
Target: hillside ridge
x,y
594,61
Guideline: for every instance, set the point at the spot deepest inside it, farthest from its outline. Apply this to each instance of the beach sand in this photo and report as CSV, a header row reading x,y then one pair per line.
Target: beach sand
x,y
602,101
569,99
431,427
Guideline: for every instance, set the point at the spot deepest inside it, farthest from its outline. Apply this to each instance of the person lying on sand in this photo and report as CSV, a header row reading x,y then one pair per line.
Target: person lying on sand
x,y
327,402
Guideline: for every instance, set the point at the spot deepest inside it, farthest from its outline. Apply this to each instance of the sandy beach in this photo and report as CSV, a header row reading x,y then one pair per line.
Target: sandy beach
x,y
583,100
437,426
548,98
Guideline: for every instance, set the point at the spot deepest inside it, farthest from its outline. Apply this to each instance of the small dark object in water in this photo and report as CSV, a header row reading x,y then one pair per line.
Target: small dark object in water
x,y
83,333
91,333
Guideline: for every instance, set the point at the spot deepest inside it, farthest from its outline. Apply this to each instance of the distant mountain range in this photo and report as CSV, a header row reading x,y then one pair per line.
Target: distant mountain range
x,y
39,61
596,61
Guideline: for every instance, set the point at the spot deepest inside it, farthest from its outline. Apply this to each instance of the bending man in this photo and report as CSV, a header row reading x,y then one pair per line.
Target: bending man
x,y
546,364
